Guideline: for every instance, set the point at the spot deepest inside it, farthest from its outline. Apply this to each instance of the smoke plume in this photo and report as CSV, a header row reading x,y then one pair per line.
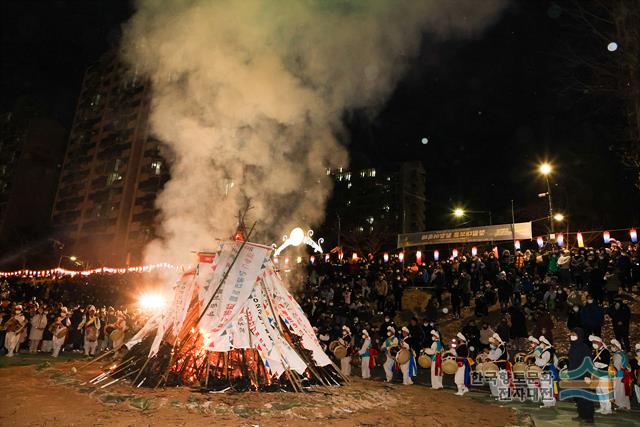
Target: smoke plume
x,y
248,97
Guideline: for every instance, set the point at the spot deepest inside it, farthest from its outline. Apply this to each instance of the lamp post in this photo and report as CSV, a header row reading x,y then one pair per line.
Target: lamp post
x,y
545,169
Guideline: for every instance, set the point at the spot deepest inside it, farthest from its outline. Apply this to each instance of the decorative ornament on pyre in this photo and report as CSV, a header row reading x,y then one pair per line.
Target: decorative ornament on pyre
x,y
296,238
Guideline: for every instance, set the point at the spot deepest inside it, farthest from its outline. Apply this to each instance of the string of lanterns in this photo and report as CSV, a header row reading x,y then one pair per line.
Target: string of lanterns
x,y
84,273
285,262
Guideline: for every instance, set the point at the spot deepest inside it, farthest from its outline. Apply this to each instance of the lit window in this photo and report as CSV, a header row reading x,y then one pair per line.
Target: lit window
x,y
370,220
349,185
347,176
156,167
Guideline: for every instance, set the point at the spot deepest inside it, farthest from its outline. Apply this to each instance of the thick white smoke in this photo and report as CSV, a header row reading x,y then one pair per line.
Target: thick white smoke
x,y
248,96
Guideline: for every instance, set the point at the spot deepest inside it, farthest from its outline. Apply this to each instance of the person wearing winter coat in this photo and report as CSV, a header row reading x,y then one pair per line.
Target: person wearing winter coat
x,y
579,351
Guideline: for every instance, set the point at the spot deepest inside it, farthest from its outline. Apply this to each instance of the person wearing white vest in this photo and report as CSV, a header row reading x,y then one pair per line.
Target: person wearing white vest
x,y
435,351
623,369
38,325
345,341
601,360
548,361
390,346
364,354
461,351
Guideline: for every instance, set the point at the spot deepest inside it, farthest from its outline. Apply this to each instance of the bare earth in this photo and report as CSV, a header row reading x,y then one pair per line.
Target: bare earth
x,y
53,396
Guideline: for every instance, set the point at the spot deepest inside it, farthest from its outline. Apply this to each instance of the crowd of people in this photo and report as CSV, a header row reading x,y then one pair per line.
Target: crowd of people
x,y
359,306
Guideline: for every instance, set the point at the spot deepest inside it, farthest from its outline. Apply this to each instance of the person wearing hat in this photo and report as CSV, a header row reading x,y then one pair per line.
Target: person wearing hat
x,y
14,327
91,326
346,341
462,377
59,329
409,369
435,351
38,325
390,346
623,378
601,361
497,354
548,361
364,354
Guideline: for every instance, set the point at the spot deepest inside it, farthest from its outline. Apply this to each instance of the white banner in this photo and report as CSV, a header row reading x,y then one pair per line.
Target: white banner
x,y
151,324
183,292
234,293
293,316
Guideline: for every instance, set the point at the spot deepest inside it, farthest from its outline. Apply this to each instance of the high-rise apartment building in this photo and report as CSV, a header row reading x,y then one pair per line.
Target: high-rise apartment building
x,y
31,150
104,208
371,206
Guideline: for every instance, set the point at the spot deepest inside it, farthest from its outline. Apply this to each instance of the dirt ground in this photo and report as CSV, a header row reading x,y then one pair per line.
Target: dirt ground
x,y
54,396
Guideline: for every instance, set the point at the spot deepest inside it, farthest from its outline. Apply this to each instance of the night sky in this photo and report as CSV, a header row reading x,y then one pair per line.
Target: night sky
x,y
492,108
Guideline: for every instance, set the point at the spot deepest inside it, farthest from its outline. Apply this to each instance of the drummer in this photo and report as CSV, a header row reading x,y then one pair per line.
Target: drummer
x,y
364,354
548,361
601,360
409,369
462,377
390,346
498,355
623,378
435,351
345,340
59,330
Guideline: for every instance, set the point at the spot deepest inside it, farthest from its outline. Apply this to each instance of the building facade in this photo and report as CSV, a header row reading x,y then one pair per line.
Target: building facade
x,y
31,150
371,206
104,208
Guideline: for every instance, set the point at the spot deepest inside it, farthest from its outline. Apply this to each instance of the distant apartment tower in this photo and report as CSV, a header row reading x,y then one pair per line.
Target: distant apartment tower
x,y
104,208
31,150
376,202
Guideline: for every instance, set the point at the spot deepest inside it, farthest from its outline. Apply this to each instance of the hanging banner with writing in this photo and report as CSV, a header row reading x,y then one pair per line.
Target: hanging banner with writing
x,y
517,231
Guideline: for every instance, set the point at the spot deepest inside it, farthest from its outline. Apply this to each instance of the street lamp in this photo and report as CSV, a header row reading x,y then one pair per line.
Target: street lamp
x,y
460,212
558,217
71,258
545,170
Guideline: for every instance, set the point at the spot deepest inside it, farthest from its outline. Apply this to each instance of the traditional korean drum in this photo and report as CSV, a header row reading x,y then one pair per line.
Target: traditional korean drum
x,y
519,368
424,361
333,345
340,351
449,366
487,368
534,371
403,356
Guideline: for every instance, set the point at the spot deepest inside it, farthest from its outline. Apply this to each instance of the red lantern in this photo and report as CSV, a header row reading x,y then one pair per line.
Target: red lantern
x,y
419,257
606,236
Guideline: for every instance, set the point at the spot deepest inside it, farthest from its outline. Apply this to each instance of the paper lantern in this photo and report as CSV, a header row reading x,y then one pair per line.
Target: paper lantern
x,y
436,255
327,257
540,242
454,253
580,240
385,257
312,259
419,257
354,256
560,239
633,233
474,251
495,252
401,256
606,236
516,244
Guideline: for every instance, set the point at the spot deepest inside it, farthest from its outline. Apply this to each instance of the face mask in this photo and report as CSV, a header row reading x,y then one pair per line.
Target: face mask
x,y
590,301
386,319
595,346
425,324
617,306
573,338
389,333
576,309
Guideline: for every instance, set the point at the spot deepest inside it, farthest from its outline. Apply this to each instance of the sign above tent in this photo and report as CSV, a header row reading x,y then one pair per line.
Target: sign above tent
x,y
517,231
